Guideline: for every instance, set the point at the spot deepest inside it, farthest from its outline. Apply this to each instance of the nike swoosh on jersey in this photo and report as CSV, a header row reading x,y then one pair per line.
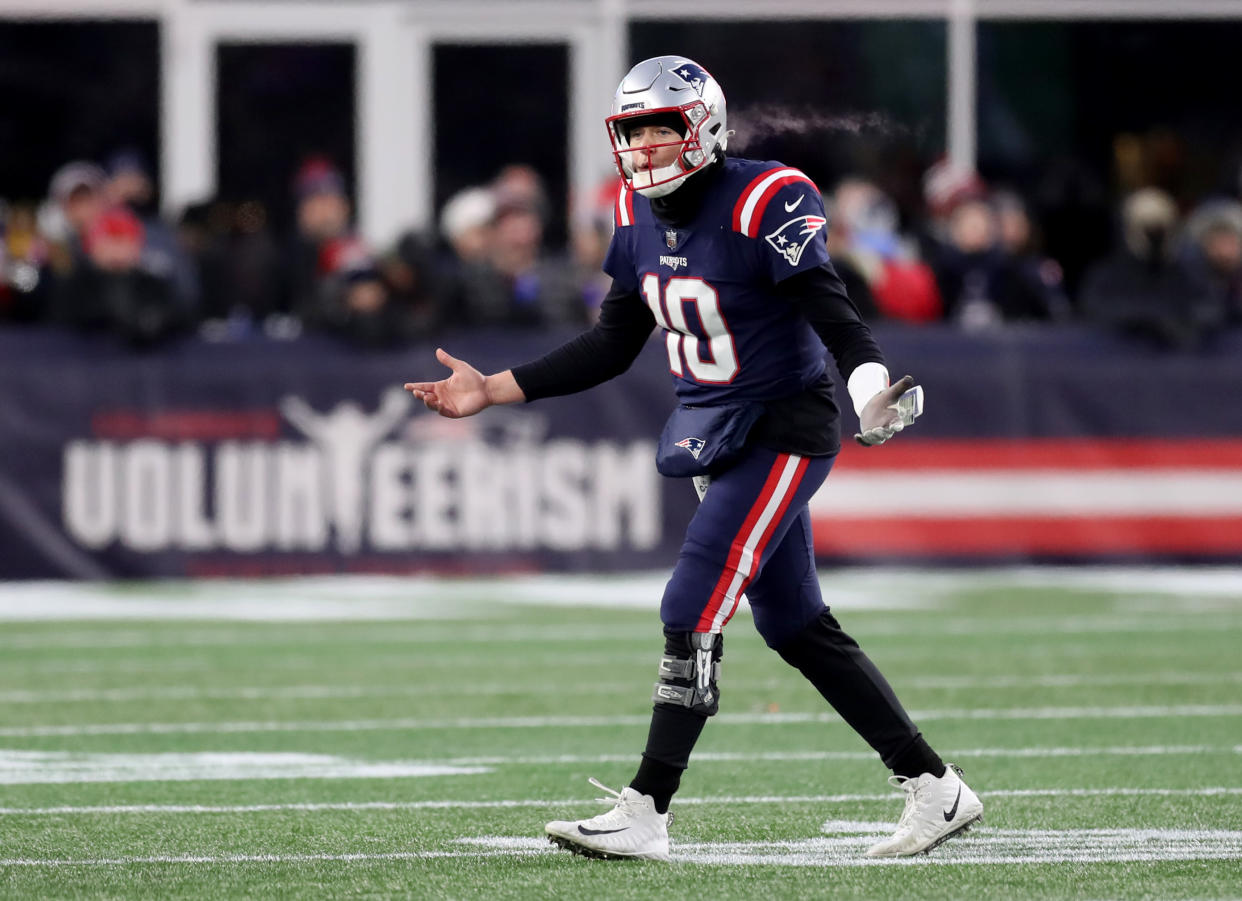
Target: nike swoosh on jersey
x,y
790,207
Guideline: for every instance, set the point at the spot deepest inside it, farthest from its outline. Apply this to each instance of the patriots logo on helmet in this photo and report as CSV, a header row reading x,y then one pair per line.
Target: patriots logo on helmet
x,y
693,75
694,445
792,238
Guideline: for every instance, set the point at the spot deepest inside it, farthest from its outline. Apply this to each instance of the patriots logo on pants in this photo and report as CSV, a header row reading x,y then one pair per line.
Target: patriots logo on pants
x,y
791,238
692,75
694,445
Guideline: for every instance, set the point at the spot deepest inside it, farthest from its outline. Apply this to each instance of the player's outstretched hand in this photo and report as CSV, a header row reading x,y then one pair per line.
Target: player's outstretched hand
x,y
463,393
890,411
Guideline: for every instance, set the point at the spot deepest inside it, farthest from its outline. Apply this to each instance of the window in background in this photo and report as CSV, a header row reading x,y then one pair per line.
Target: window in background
x,y
833,98
74,90
1076,113
280,105
500,104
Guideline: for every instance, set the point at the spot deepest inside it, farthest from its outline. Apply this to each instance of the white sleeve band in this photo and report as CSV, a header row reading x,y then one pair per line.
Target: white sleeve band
x,y
865,382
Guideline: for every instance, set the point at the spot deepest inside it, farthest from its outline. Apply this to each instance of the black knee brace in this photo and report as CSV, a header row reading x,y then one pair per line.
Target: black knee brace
x,y
689,671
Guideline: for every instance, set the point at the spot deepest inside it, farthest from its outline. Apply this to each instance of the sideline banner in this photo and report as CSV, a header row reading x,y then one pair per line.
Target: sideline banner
x,y
269,458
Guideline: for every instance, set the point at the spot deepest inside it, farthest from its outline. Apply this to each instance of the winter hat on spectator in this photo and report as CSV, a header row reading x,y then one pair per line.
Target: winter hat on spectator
x,y
116,223
465,210
318,176
945,185
73,177
1222,214
1149,218
127,161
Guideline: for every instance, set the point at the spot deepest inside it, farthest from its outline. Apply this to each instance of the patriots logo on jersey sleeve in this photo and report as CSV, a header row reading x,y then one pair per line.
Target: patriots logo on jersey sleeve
x,y
692,75
792,238
694,445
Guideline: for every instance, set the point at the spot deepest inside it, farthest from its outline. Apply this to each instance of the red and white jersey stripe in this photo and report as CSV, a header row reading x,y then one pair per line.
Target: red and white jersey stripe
x,y
752,539
753,201
623,211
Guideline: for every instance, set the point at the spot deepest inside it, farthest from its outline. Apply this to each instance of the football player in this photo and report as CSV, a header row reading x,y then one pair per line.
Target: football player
x,y
727,256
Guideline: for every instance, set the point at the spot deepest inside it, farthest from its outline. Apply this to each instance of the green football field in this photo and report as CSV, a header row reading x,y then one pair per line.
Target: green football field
x,y
409,738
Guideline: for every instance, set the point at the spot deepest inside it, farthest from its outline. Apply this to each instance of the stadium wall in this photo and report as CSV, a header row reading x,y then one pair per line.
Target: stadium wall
x,y
273,458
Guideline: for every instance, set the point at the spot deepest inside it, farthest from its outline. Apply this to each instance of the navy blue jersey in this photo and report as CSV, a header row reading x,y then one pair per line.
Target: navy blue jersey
x,y
711,284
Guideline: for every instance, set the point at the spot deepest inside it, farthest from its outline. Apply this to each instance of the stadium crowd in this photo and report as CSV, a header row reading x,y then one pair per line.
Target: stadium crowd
x,y
95,256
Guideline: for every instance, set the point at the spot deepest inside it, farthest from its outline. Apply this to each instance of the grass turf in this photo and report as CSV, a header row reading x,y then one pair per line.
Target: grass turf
x,y
1101,725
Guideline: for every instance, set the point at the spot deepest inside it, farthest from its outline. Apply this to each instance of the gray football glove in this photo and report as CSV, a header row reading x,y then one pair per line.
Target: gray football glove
x,y
890,411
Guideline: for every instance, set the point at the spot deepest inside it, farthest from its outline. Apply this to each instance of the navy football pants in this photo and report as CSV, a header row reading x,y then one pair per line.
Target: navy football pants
x,y
752,534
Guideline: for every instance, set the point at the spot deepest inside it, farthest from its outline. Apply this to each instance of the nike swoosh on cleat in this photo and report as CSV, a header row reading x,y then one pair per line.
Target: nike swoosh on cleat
x,y
948,814
790,207
586,831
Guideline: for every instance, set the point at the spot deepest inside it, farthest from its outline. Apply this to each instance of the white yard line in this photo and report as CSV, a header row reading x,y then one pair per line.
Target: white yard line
x,y
778,756
50,767
871,797
23,767
543,722
255,858
423,688
295,692
983,846
518,633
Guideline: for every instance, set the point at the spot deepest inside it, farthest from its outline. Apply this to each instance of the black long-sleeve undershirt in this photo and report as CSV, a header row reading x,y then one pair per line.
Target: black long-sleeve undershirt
x,y
604,352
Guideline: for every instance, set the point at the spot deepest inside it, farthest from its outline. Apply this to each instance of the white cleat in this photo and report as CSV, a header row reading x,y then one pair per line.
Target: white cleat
x,y
631,830
936,810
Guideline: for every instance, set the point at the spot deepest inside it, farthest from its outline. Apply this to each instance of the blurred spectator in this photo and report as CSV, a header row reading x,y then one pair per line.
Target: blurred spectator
x,y
476,293
467,221
353,300
1142,289
1039,290
540,289
112,291
323,216
202,237
498,271
415,282
945,187
589,239
880,268
1214,254
75,200
986,271
130,185
518,184
23,251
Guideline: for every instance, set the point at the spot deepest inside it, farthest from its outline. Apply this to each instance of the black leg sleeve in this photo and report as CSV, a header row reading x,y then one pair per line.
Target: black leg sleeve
x,y
670,740
851,683
674,729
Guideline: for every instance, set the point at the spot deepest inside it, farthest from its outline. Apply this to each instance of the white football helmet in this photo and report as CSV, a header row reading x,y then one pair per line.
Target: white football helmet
x,y
664,86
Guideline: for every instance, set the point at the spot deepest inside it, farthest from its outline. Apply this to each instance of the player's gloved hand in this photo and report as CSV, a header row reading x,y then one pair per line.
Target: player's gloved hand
x,y
889,411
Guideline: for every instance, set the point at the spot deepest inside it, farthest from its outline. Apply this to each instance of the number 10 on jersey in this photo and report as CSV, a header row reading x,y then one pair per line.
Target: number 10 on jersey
x,y
717,361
